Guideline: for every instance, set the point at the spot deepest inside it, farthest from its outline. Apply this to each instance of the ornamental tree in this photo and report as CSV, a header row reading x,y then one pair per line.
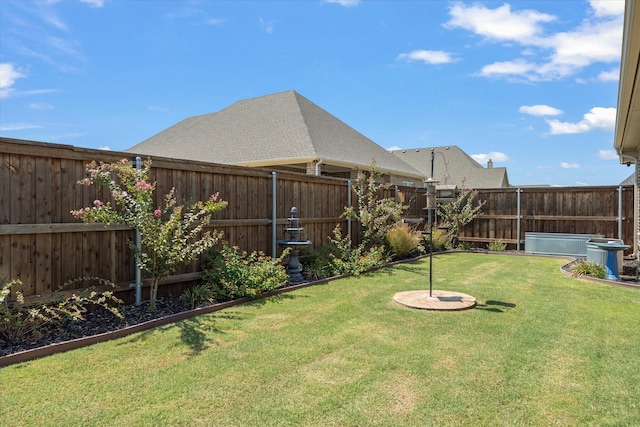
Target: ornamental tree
x,y
170,235
377,214
458,213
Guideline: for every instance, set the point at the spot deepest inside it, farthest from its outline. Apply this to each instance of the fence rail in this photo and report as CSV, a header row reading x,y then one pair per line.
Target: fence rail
x,y
44,246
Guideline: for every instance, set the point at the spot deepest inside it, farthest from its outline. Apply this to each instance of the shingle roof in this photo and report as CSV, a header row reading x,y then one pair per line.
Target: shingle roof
x,y
454,166
281,128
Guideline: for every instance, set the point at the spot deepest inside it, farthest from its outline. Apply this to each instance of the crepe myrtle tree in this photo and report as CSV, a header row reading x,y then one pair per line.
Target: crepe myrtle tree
x,y
169,234
458,213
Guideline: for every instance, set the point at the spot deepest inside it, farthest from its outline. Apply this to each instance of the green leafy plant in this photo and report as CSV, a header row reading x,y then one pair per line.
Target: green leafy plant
x,y
465,246
198,294
316,264
404,240
440,240
458,213
344,259
588,268
497,245
170,234
231,273
376,214
20,321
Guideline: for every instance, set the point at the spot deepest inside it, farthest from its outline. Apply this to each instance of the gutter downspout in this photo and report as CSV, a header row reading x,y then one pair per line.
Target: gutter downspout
x,y
317,162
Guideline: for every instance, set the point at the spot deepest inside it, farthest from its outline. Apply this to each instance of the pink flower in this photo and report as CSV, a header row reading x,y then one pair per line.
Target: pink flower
x,y
97,202
143,185
157,213
87,209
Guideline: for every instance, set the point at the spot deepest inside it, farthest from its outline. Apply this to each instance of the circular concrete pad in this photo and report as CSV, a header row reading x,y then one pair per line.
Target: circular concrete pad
x,y
439,300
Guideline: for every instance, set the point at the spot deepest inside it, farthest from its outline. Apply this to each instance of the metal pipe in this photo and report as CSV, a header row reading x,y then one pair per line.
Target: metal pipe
x,y
620,190
395,193
138,243
274,216
349,205
518,218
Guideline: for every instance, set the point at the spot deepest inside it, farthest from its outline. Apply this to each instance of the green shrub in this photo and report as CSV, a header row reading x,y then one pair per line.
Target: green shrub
x,y
20,322
465,246
198,294
347,260
588,268
497,245
440,240
316,264
403,240
231,273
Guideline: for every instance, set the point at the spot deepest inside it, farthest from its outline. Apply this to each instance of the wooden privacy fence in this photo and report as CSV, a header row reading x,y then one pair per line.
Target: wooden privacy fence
x,y
44,246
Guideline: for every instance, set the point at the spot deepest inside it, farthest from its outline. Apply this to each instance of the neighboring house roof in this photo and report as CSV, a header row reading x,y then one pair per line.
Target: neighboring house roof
x,y
627,133
279,129
454,166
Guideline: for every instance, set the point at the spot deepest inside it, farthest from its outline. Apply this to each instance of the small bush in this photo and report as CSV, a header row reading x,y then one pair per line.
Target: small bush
x,y
317,264
440,240
497,245
465,246
588,268
347,260
232,274
198,294
20,322
403,240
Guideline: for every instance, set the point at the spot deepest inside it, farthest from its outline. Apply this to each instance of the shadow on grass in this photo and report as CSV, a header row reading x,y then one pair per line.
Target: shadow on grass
x,y
193,331
495,306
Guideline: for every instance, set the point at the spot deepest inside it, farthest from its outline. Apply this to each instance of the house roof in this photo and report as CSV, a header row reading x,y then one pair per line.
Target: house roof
x,y
279,129
451,165
627,133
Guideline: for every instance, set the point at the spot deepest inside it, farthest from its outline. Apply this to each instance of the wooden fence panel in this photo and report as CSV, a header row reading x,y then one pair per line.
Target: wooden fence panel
x,y
44,246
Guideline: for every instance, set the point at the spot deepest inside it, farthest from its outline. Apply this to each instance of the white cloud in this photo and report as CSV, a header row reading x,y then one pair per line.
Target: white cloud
x,y
426,56
40,106
500,23
540,110
8,76
566,165
607,7
267,26
598,118
106,147
495,156
608,155
394,148
94,3
609,76
597,39
345,3
18,126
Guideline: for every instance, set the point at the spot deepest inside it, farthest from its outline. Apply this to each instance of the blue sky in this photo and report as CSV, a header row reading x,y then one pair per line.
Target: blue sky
x,y
530,84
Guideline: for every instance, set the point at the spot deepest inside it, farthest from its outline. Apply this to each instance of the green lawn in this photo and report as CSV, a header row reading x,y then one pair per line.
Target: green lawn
x,y
541,349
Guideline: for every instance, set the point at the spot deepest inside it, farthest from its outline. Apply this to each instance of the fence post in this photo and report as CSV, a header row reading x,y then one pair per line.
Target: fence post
x,y
349,205
518,218
620,190
138,284
274,216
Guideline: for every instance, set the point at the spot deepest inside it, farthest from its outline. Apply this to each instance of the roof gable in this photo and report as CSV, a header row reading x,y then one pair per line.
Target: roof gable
x,y
451,165
271,128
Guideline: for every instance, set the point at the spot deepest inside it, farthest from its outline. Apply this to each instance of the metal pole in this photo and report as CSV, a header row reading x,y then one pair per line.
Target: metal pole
x,y
349,205
433,155
519,217
274,216
138,242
